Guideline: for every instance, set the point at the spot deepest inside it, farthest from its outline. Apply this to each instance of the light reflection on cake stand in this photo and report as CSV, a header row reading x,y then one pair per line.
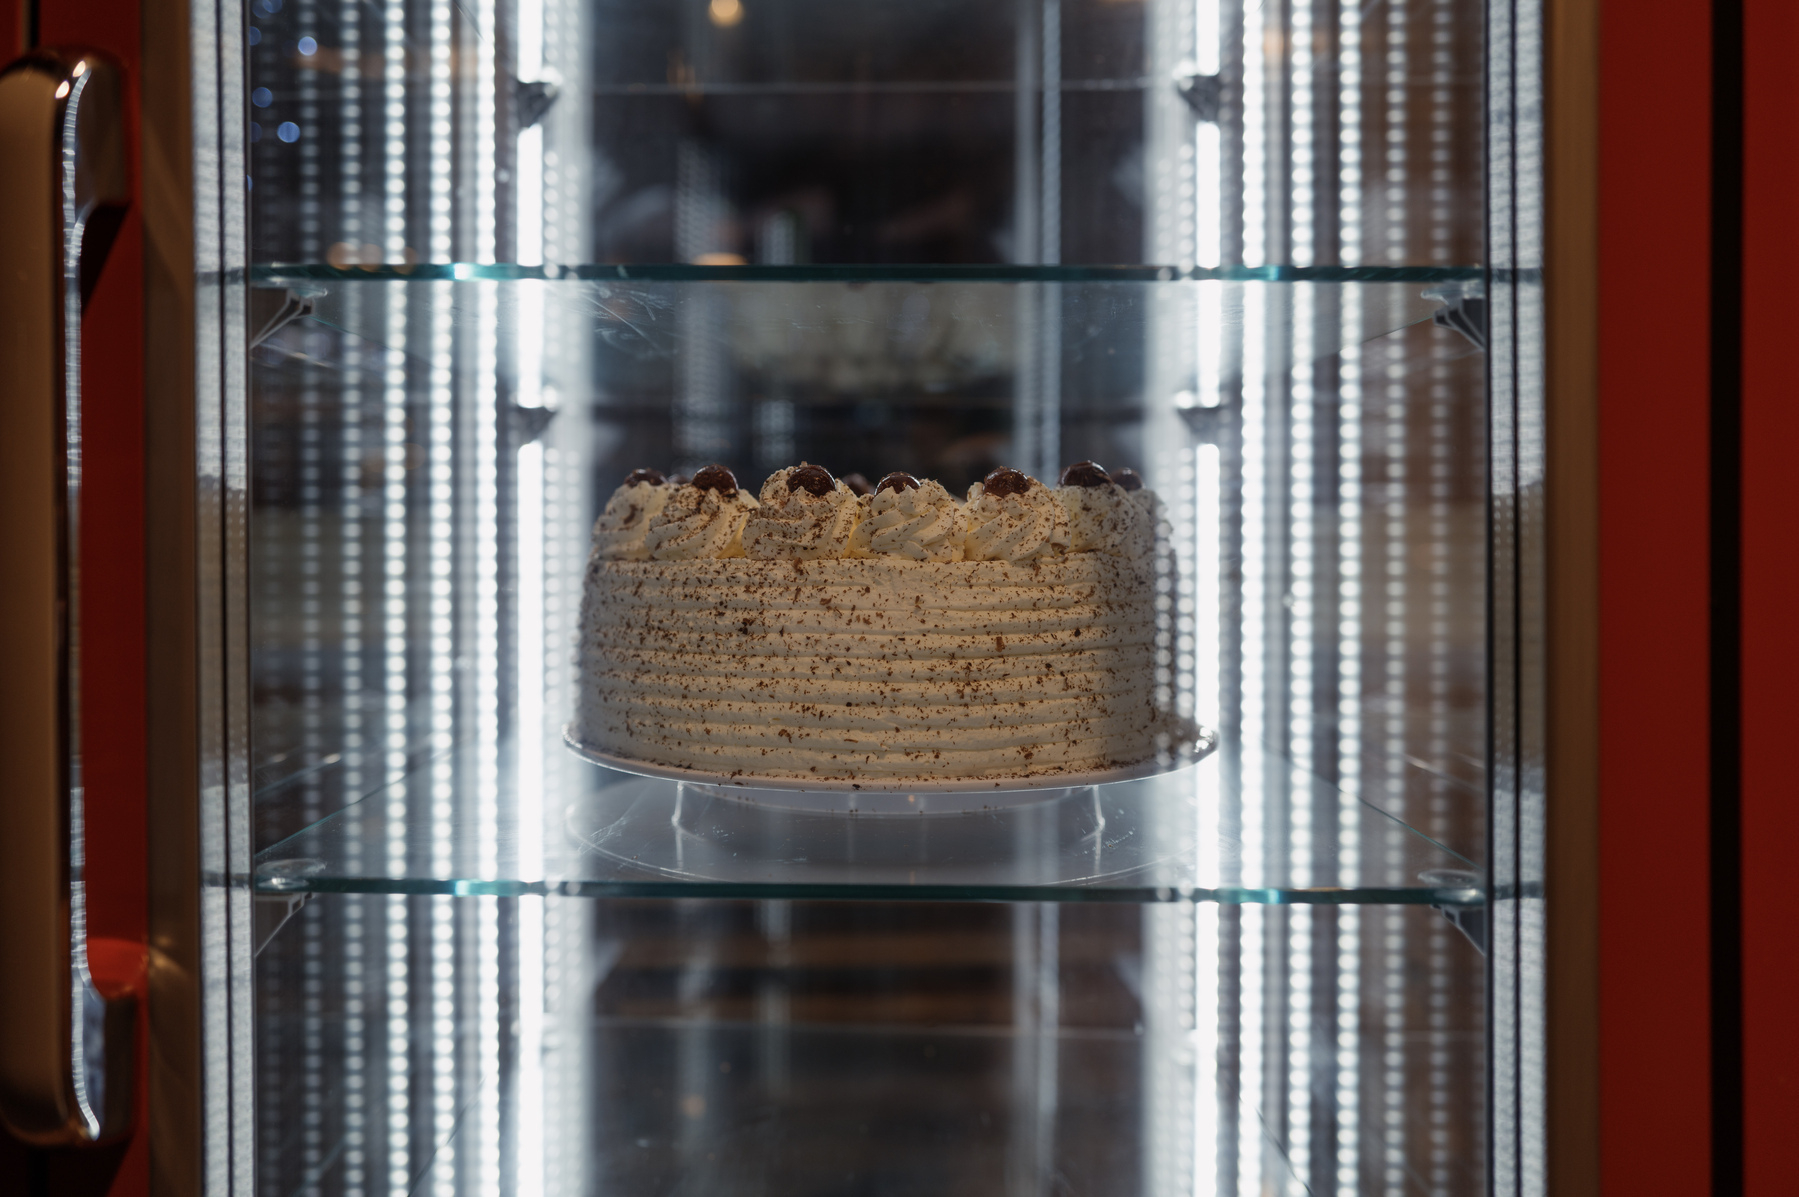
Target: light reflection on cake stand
x,y
1137,823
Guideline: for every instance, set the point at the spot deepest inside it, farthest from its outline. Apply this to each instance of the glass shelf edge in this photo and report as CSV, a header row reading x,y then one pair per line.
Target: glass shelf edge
x,y
289,887
291,272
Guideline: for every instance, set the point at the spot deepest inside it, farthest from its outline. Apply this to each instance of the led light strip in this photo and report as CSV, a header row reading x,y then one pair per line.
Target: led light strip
x,y
354,914
530,1138
483,395
1393,640
394,380
312,916
529,1116
1440,968
1349,604
445,1160
1254,612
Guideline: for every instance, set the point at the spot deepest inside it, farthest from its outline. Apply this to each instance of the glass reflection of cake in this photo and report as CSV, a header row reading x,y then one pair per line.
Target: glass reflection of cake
x,y
814,633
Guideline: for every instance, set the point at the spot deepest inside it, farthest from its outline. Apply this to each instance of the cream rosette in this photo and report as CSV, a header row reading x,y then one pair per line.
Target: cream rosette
x,y
1014,518
699,522
804,514
922,521
1132,483
618,535
1103,517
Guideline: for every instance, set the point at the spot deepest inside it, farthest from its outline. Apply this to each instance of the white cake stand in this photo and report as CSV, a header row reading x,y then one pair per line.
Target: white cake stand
x,y
1190,743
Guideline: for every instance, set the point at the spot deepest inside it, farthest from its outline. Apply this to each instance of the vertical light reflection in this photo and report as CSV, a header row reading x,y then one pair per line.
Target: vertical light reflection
x,y
1253,551
445,1161
1349,751
1441,227
1207,625
485,430
530,1137
1302,159
1255,138
312,681
398,1046
355,912
530,661
1349,602
1393,637
529,347
1208,197
1250,1129
1204,1041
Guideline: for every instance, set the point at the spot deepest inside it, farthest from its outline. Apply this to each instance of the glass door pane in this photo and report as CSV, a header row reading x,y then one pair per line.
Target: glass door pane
x,y
505,254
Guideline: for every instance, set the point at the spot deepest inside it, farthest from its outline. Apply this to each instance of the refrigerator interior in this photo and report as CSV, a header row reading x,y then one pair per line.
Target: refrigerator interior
x,y
502,253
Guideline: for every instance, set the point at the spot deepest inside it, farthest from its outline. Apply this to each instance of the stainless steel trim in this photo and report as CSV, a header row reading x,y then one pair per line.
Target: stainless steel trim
x,y
66,1051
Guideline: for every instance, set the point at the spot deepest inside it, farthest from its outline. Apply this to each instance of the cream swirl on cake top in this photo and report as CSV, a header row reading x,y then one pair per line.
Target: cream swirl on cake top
x,y
805,514
702,519
908,518
1132,483
1103,517
618,533
1013,517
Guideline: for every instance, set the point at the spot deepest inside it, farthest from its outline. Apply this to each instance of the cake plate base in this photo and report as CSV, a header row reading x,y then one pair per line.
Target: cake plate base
x,y
1190,743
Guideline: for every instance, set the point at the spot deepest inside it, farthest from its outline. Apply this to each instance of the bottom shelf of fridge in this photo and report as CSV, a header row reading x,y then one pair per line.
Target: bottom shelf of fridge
x,y
532,1045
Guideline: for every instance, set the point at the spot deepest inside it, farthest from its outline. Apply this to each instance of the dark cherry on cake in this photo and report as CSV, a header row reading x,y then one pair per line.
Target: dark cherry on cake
x,y
716,477
642,477
1129,479
1086,473
896,481
814,480
858,484
1006,481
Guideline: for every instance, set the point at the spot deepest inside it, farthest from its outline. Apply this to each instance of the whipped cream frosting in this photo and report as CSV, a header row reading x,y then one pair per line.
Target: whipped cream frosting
x,y
1015,527
618,535
792,522
923,522
698,523
1107,519
884,668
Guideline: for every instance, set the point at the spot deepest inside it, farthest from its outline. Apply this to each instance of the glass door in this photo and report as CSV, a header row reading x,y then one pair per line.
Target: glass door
x,y
1275,258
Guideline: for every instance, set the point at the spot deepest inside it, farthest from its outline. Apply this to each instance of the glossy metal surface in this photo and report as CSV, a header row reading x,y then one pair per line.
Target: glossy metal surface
x,y
66,1050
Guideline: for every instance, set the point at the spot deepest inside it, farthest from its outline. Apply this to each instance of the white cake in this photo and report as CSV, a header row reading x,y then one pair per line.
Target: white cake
x,y
816,634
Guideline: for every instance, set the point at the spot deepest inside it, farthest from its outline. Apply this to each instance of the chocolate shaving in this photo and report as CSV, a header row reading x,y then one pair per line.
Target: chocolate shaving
x,y
897,481
858,484
1006,481
1085,473
638,477
812,479
716,477
1129,479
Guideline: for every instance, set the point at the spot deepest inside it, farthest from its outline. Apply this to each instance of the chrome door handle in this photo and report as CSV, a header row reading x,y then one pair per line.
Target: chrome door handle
x,y
66,1051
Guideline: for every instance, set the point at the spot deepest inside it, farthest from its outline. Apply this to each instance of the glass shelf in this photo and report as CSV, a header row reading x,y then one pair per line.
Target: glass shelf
x,y
862,334
1242,827
291,272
